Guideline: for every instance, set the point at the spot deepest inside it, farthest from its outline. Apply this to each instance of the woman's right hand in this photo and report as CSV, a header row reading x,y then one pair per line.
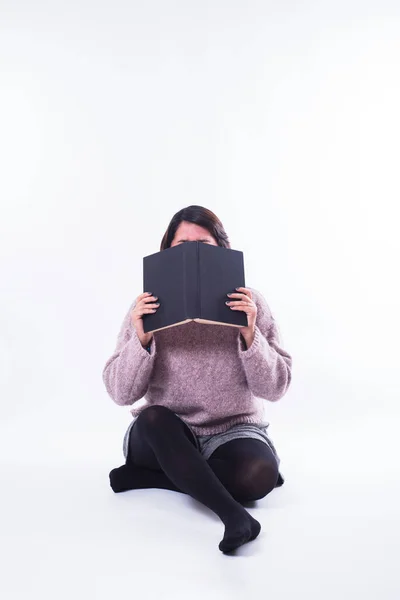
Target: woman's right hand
x,y
145,304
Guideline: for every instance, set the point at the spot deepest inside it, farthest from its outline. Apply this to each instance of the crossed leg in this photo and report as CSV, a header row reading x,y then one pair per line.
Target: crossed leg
x,y
246,467
162,454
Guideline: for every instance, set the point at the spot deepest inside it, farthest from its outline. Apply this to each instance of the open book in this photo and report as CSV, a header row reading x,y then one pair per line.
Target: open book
x,y
192,281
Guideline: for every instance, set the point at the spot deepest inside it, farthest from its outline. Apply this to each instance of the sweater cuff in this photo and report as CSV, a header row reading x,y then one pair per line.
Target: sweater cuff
x,y
149,350
255,346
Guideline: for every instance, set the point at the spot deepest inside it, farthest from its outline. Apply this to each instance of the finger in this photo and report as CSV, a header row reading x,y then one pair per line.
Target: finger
x,y
145,311
141,298
144,307
244,290
149,299
241,294
234,304
246,300
244,309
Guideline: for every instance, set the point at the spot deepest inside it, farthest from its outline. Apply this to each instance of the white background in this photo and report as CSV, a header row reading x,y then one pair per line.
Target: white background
x,y
282,118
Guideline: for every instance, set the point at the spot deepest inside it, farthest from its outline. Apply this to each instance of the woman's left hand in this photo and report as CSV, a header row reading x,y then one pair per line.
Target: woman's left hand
x,y
246,304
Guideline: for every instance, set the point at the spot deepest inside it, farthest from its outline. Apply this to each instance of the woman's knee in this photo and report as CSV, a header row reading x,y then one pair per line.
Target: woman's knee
x,y
154,417
255,479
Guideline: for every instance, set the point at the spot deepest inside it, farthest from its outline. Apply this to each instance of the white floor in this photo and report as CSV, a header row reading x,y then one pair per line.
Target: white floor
x,y
328,533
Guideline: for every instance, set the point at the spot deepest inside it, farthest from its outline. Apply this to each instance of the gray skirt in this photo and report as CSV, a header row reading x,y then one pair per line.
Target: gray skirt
x,y
207,444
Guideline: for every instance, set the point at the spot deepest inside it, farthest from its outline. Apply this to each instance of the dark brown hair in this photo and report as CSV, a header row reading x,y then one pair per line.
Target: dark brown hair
x,y
200,216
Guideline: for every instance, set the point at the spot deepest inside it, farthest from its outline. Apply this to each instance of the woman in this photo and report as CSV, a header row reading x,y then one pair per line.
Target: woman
x,y
201,431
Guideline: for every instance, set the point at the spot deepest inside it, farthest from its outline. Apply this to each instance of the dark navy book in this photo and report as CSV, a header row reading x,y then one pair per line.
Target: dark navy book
x,y
192,281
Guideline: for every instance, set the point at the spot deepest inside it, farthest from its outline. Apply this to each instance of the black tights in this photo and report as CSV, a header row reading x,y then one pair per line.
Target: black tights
x,y
162,454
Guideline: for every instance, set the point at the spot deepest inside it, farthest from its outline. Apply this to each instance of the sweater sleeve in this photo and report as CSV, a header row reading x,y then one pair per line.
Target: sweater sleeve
x,y
127,372
267,365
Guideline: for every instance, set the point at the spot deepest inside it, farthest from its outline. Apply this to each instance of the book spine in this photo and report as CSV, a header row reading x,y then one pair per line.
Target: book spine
x,y
190,279
198,297
185,288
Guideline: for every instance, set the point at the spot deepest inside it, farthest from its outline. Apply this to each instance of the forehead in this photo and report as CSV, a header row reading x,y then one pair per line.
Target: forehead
x,y
191,229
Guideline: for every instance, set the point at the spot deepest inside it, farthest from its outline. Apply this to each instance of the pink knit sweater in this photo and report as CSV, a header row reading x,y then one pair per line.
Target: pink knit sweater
x,y
202,372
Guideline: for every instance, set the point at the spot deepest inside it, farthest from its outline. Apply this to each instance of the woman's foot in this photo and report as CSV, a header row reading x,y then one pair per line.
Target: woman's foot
x,y
239,531
121,478
133,477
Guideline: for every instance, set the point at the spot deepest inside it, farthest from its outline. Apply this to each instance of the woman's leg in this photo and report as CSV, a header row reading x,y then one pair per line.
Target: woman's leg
x,y
134,476
159,439
247,468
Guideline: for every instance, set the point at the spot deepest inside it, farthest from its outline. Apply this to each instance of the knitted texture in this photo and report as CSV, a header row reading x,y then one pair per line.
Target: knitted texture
x,y
202,372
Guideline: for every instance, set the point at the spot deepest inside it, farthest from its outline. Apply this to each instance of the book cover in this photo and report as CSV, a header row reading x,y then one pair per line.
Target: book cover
x,y
192,281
